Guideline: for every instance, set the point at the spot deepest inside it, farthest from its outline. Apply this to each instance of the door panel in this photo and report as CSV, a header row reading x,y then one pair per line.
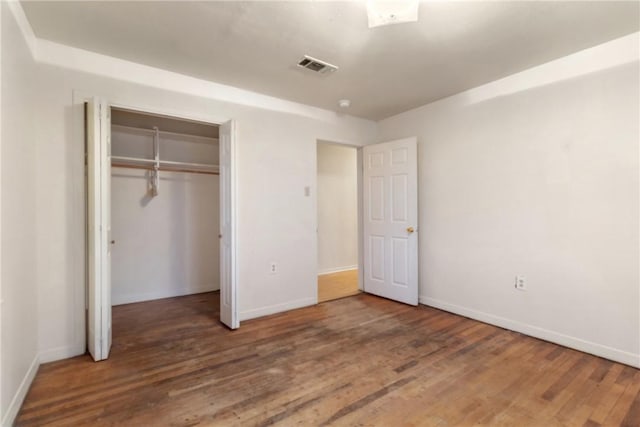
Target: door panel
x,y
390,198
99,228
399,194
377,257
376,200
228,289
106,181
400,247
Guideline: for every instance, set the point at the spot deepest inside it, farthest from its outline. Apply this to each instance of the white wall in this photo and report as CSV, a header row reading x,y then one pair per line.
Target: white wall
x,y
165,245
19,327
276,221
536,174
337,195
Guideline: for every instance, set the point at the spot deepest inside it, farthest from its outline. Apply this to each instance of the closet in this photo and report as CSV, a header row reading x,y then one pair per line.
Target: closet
x,y
164,207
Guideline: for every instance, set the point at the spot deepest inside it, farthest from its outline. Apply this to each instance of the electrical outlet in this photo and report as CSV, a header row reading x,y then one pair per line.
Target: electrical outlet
x,y
273,268
521,283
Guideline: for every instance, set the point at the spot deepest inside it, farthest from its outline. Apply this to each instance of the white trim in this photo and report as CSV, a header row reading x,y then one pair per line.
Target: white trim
x,y
78,217
360,183
610,54
60,353
1,300
537,332
276,308
233,165
617,52
25,27
119,299
337,269
18,398
68,57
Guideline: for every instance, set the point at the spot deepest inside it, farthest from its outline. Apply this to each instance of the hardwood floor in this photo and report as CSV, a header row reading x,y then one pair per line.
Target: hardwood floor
x,y
355,361
337,285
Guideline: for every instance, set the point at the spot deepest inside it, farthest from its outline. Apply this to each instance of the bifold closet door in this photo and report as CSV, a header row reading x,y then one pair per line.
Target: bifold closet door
x,y
227,236
99,228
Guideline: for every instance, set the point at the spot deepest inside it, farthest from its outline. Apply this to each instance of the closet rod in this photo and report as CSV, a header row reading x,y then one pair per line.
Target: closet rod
x,y
166,169
165,162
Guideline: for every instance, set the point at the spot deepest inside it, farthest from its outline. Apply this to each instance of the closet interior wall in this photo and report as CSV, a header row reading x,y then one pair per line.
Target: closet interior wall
x,y
166,245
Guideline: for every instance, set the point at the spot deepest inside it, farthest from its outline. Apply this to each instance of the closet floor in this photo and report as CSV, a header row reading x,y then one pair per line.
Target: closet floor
x,y
354,361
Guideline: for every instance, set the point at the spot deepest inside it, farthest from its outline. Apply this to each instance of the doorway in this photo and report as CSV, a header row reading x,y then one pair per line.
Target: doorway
x,y
386,224
337,227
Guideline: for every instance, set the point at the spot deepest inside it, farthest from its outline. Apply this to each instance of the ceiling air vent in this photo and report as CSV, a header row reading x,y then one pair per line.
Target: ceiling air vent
x,y
316,65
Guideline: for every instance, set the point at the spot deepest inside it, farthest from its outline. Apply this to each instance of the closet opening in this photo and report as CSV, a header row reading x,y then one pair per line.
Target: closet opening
x,y
165,194
161,215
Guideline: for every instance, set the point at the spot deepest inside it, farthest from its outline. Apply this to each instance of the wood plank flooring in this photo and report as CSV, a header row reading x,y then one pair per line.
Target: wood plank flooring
x,y
359,361
337,285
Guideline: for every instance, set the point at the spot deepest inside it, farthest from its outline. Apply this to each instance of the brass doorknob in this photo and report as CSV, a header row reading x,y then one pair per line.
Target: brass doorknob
x,y
410,230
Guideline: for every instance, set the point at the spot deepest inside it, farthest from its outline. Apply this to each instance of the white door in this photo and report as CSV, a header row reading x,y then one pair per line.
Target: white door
x,y
228,277
99,227
390,201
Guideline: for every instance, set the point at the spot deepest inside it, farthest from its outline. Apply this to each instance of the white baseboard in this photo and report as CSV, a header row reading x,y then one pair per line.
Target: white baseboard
x,y
534,331
18,398
337,269
118,299
277,308
60,353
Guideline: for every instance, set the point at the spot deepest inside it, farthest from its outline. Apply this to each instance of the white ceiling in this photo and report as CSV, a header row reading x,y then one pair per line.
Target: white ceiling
x,y
255,45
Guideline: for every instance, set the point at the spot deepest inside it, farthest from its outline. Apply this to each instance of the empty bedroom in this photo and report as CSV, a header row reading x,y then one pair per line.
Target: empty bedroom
x,y
320,213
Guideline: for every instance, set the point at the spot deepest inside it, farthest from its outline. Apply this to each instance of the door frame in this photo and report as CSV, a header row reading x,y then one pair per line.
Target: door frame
x,y
79,220
360,234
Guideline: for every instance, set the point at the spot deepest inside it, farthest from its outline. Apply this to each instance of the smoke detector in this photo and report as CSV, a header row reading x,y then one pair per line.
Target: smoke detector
x,y
344,103
316,65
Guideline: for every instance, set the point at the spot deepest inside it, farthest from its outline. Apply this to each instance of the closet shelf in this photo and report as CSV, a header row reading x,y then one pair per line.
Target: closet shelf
x,y
164,132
